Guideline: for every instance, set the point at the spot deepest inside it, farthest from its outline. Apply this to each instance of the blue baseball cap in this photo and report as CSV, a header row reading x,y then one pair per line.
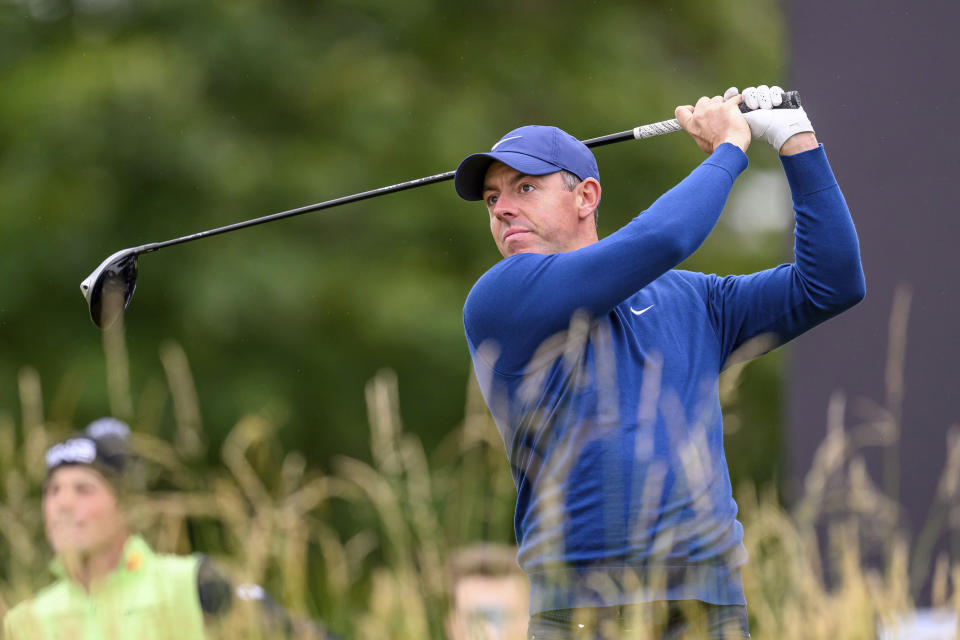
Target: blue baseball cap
x,y
533,150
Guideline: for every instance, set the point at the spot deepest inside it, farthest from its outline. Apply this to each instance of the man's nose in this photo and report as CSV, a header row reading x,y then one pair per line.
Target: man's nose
x,y
503,207
63,501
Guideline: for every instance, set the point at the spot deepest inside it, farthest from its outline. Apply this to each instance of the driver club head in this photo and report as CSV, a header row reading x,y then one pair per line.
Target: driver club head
x,y
111,285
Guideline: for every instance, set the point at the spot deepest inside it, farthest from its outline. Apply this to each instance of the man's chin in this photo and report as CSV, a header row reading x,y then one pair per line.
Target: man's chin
x,y
519,248
75,546
71,548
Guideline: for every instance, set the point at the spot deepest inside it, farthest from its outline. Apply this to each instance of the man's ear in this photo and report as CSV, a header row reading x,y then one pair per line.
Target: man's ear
x,y
588,197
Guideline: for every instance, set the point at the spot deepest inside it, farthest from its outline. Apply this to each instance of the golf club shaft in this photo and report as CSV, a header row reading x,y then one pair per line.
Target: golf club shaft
x,y
639,133
791,99
365,195
659,128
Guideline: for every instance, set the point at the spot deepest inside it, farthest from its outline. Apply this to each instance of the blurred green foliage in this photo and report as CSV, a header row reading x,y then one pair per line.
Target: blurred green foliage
x,y
124,122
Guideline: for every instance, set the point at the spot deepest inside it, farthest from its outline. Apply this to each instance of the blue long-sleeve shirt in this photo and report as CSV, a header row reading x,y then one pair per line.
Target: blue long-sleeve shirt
x,y
600,368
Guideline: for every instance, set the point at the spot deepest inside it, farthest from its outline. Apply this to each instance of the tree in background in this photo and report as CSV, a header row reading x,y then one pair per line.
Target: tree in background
x,y
124,122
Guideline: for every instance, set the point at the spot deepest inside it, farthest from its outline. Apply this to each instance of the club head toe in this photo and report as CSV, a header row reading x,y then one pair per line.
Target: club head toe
x,y
110,287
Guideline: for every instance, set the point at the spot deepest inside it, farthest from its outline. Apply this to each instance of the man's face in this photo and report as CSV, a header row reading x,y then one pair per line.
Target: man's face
x,y
80,512
531,214
491,608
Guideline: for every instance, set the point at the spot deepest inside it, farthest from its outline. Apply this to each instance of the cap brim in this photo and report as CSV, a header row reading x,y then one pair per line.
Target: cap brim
x,y
469,177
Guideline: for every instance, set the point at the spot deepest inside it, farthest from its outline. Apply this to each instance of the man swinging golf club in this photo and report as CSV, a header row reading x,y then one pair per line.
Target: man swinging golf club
x,y
599,362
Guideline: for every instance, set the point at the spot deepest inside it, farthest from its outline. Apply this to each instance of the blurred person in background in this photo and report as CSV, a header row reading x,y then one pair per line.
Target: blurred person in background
x,y
110,585
488,593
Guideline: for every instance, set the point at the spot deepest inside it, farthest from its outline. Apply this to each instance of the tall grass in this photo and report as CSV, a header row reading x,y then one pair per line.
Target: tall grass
x,y
365,546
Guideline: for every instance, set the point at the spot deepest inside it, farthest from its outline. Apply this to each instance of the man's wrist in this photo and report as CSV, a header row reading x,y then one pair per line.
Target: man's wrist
x,y
798,143
737,141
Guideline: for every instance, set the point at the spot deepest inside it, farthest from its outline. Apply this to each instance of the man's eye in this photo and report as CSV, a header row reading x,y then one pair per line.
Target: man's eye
x,y
491,200
526,187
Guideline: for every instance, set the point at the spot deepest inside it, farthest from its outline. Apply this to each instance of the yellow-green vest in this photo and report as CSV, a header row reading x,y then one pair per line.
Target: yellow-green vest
x,y
148,596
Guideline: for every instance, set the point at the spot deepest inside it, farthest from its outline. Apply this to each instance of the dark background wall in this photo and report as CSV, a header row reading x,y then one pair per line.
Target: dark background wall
x,y
879,82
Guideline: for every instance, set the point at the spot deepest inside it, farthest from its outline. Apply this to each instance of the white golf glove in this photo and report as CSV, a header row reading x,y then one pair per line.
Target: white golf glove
x,y
775,126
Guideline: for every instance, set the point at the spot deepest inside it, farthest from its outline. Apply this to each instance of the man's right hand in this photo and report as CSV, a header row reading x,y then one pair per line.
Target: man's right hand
x,y
714,121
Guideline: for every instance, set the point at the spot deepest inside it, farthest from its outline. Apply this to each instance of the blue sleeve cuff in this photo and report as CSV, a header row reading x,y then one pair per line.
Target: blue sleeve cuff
x,y
730,158
808,171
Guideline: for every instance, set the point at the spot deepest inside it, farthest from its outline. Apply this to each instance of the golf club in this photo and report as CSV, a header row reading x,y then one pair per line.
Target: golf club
x,y
110,287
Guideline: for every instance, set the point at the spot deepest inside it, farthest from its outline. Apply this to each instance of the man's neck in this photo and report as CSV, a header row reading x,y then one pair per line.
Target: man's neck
x,y
86,569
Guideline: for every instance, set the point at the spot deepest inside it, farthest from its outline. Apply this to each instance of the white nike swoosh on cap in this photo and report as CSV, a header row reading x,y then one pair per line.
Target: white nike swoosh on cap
x,y
504,140
641,312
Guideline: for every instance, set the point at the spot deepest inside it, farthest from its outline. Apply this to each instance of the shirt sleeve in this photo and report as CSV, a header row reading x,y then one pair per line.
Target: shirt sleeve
x,y
216,594
213,589
526,298
8,629
825,278
22,623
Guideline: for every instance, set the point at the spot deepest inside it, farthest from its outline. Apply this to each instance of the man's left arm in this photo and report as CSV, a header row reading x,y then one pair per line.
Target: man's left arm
x,y
217,595
826,276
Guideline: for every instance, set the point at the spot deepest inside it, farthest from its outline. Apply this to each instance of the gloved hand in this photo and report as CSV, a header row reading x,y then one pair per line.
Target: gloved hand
x,y
775,126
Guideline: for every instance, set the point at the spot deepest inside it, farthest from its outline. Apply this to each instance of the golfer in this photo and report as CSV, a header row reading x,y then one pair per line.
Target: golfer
x,y
599,362
110,584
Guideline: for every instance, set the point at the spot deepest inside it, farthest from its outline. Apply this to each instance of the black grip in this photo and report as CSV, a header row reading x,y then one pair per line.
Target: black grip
x,y
791,100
